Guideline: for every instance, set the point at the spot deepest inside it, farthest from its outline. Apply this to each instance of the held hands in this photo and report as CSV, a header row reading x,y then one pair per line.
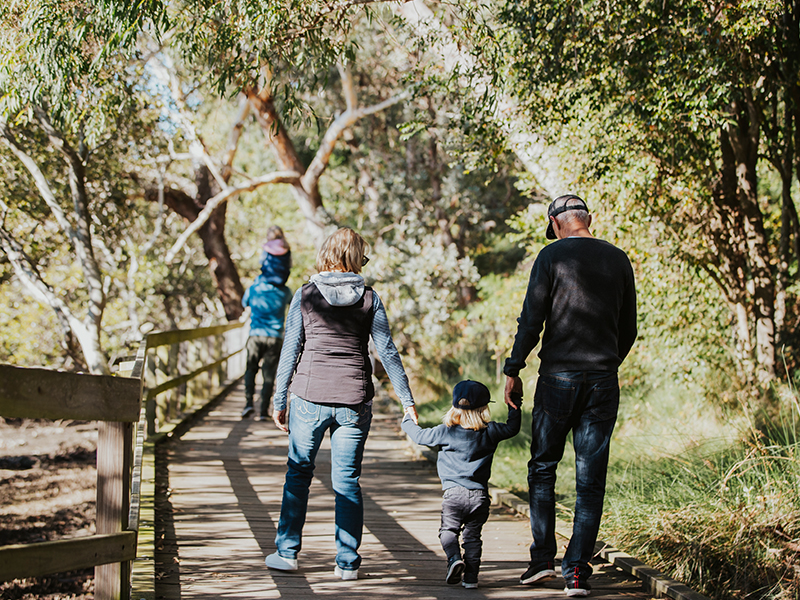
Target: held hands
x,y
513,392
411,411
279,416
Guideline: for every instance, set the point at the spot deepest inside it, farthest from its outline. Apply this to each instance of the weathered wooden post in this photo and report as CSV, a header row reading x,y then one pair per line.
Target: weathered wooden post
x,y
114,452
114,462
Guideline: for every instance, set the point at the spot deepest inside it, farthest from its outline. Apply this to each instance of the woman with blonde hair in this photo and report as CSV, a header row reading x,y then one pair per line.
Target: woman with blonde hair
x,y
325,365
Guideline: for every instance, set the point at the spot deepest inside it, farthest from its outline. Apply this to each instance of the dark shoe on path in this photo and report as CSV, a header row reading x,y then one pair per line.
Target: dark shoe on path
x,y
455,568
247,411
538,572
576,584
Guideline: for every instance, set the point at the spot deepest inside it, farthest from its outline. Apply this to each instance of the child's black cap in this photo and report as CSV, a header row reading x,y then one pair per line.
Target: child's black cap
x,y
470,395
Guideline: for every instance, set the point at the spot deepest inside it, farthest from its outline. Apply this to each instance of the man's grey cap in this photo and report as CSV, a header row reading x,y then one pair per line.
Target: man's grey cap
x,y
552,211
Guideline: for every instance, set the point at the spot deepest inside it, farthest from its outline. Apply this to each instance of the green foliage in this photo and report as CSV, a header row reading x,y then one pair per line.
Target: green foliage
x,y
697,514
638,96
55,54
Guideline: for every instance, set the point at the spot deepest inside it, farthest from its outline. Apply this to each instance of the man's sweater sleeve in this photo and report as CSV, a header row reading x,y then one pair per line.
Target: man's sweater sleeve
x,y
535,309
627,319
429,436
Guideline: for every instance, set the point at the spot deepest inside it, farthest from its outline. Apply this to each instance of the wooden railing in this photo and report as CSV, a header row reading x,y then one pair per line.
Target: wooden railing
x,y
172,382
126,410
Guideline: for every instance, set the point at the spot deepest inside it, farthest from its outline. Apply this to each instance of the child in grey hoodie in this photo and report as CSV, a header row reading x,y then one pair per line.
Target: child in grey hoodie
x,y
466,441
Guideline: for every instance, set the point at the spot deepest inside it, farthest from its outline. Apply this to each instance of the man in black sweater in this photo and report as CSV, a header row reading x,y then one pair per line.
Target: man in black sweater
x,y
582,292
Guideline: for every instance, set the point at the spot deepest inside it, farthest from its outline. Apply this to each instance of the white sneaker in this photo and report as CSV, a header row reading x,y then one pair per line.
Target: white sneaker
x,y
276,561
470,585
345,574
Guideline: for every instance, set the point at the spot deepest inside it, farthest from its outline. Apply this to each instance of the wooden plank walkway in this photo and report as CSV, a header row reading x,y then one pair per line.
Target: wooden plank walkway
x,y
218,515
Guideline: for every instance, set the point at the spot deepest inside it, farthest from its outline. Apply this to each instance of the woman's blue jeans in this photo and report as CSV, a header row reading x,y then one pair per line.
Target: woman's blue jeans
x,y
586,403
349,427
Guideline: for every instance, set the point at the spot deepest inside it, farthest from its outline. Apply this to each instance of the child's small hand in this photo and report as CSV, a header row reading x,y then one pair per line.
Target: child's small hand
x,y
411,411
516,398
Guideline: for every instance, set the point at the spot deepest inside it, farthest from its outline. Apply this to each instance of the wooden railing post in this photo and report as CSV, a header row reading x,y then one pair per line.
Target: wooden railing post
x,y
150,403
178,360
114,453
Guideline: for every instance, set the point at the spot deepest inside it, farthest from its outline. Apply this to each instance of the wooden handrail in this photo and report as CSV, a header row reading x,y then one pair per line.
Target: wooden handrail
x,y
174,336
43,558
166,376
173,383
117,403
33,393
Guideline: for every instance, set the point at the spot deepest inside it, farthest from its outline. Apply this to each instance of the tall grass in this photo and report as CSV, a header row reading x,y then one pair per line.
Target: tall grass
x,y
725,520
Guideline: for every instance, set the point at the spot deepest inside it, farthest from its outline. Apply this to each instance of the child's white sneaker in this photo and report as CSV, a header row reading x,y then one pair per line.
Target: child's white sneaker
x,y
470,585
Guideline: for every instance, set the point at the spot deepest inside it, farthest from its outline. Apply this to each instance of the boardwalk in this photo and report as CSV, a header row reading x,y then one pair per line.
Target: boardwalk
x,y
222,506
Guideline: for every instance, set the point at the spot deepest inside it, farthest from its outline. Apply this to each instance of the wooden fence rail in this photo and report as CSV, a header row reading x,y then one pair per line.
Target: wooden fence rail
x,y
127,411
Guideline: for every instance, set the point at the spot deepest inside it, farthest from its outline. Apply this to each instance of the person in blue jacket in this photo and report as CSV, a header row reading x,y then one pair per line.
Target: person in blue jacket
x,y
466,441
267,298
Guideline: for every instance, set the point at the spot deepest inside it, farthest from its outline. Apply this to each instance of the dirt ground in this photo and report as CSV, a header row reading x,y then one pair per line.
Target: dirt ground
x,y
47,492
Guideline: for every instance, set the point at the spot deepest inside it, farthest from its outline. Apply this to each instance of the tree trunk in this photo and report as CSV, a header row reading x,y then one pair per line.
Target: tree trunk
x,y
728,255
86,331
212,233
785,248
306,193
744,139
223,269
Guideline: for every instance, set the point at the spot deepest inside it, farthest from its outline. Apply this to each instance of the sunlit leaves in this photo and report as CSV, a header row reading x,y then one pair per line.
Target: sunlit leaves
x,y
56,53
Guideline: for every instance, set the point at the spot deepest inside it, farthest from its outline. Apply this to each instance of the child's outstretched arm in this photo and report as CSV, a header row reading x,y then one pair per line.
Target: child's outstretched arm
x,y
428,436
503,431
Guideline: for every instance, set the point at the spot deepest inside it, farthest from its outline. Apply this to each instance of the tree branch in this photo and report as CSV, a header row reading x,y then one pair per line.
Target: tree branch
x,y
348,89
340,124
233,139
227,194
40,290
83,236
39,180
159,219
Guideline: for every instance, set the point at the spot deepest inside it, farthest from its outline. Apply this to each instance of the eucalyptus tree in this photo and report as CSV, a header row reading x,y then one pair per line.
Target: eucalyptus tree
x,y
63,105
686,104
286,66
69,78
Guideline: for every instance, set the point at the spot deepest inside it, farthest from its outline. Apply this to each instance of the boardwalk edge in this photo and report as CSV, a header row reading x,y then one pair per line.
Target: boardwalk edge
x,y
143,576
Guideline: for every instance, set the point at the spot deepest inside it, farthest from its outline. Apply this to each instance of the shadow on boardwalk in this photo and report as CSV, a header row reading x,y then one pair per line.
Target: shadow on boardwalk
x,y
219,502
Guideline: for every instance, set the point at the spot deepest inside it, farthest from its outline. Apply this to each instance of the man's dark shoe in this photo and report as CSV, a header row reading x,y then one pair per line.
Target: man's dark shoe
x,y
248,410
454,570
538,572
576,584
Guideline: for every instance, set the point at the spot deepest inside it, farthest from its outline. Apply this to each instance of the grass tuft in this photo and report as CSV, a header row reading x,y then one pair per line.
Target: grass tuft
x,y
726,521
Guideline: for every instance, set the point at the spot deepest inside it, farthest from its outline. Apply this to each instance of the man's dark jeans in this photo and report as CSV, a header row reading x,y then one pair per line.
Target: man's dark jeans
x,y
586,403
267,351
465,509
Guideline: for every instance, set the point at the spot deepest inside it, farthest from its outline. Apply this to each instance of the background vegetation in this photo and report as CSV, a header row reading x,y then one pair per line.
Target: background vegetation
x,y
146,147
